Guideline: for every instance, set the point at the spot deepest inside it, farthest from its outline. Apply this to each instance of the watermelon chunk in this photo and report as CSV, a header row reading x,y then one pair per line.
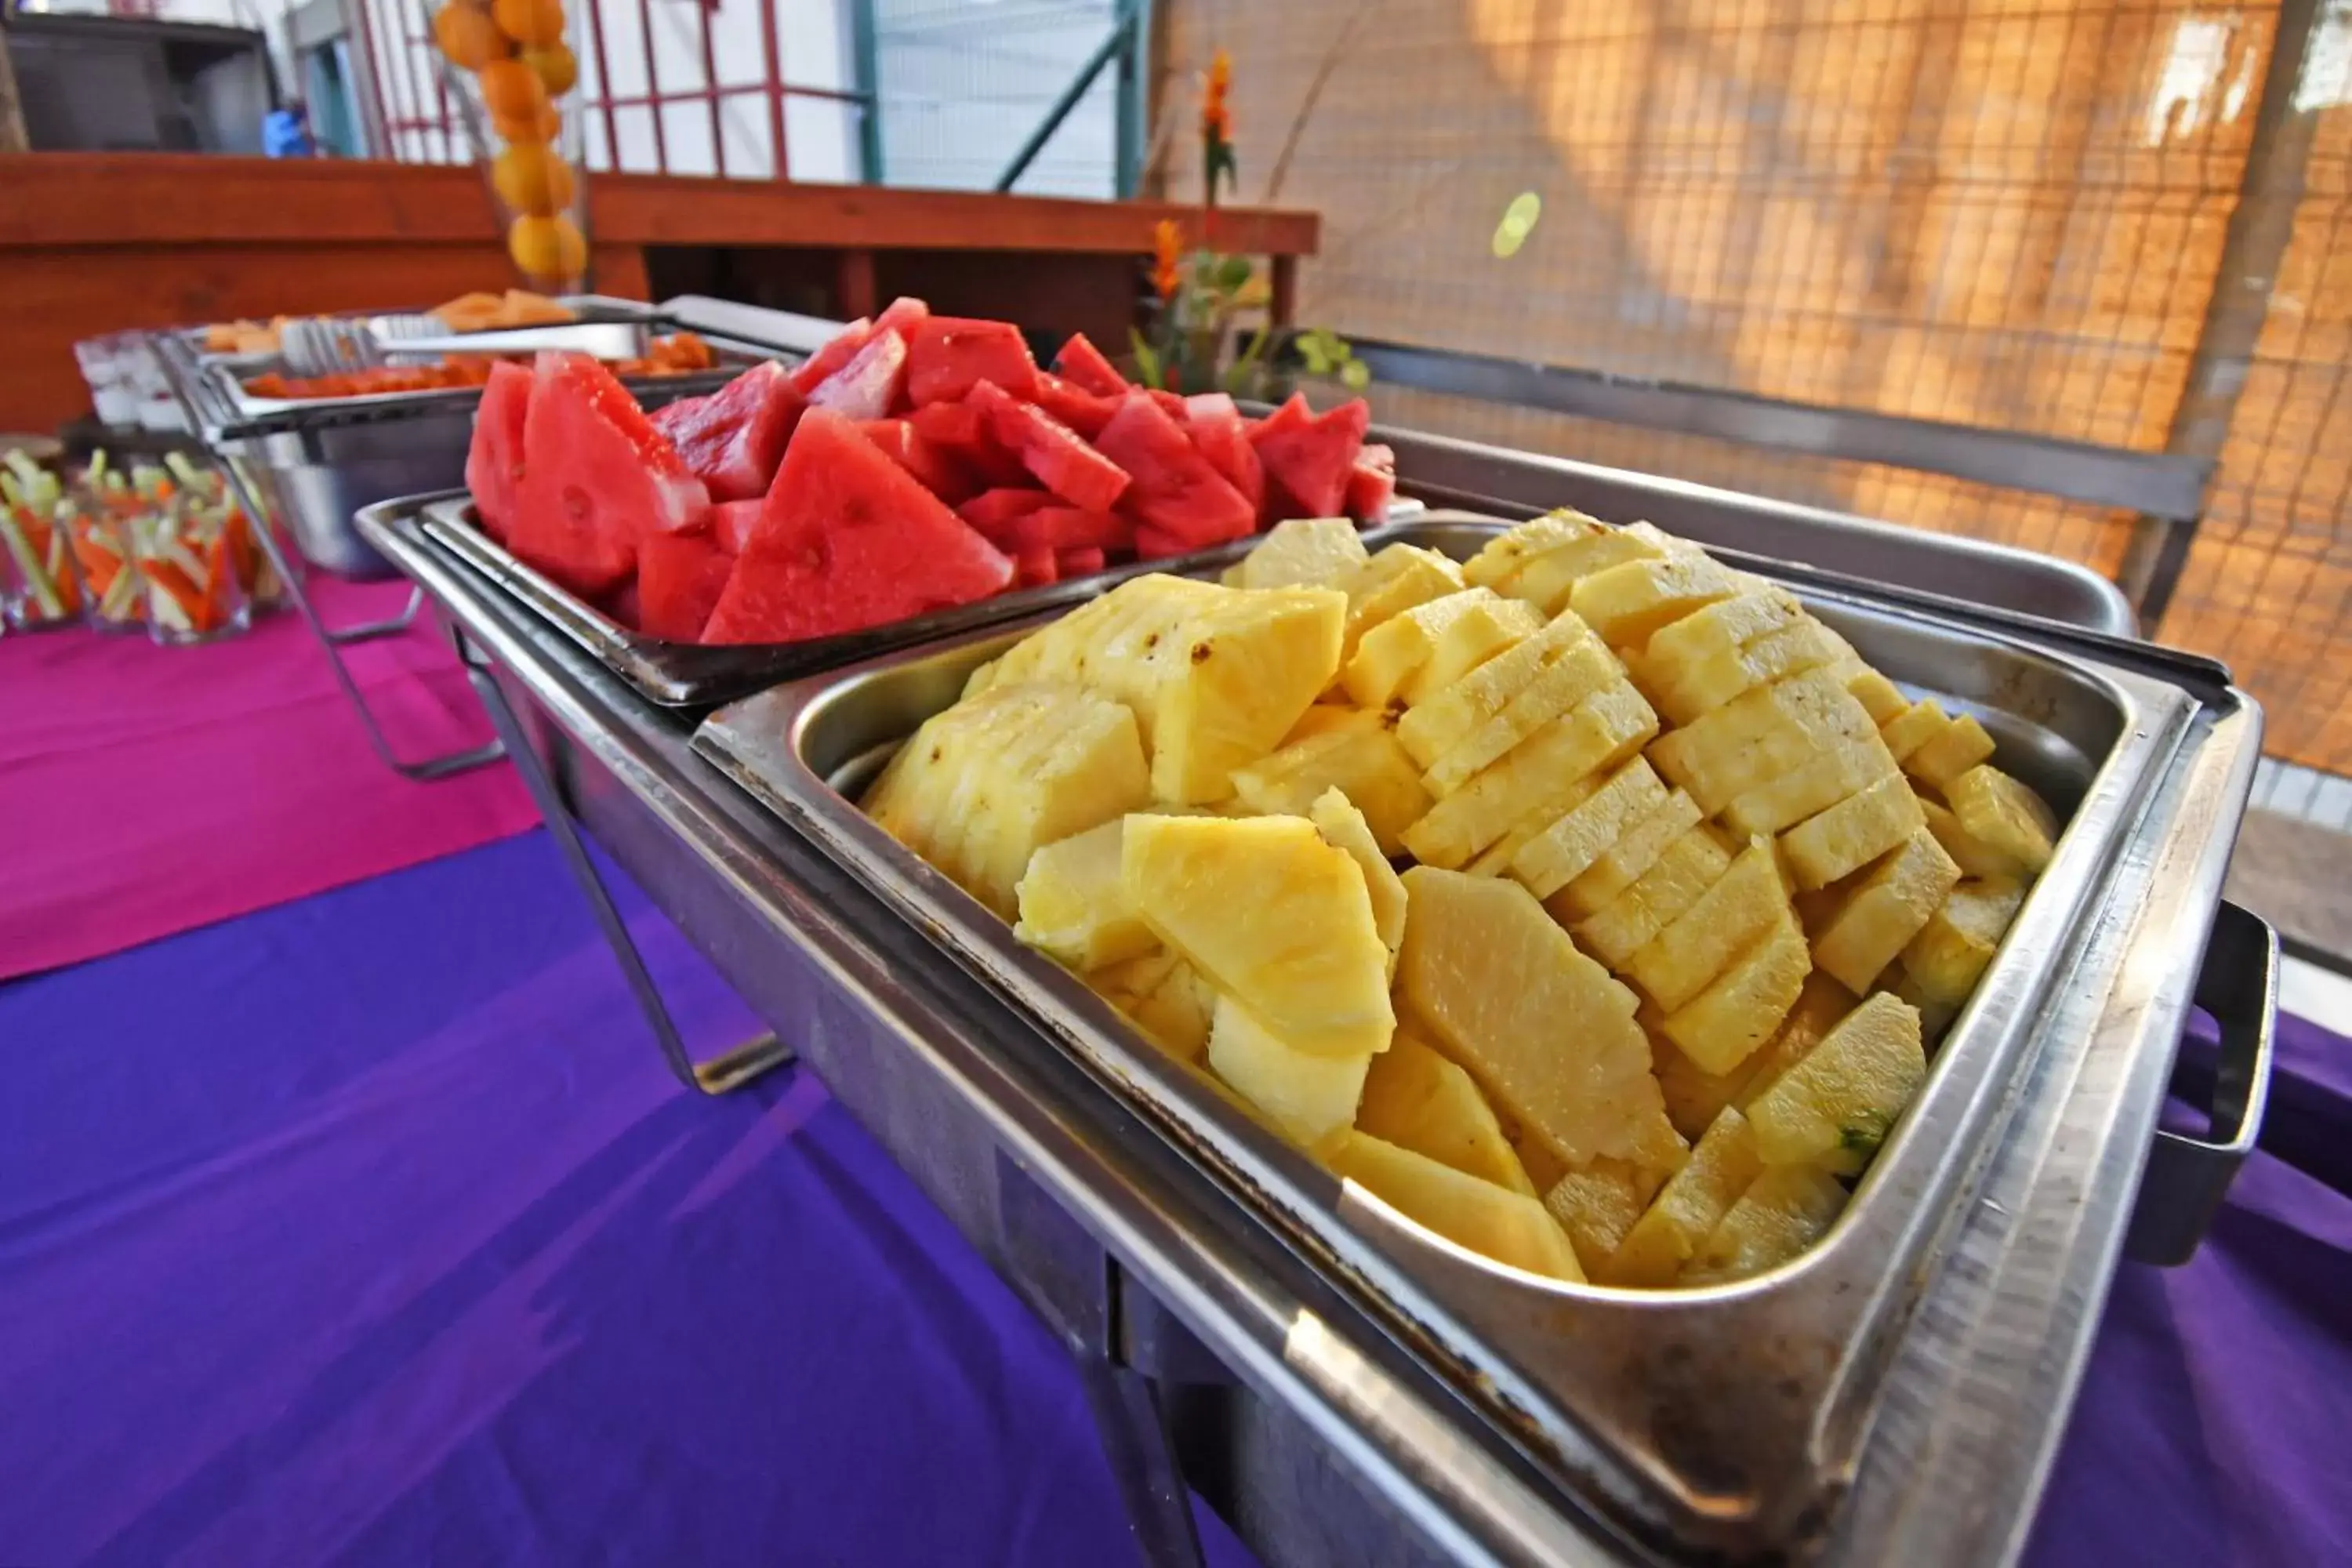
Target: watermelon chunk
x,y
846,539
1372,483
1292,412
1214,423
1171,403
1035,568
733,439
868,386
494,457
1084,366
679,579
963,431
1176,492
731,525
838,351
1069,528
927,461
950,355
994,512
1081,411
902,316
1069,564
598,478
1308,463
1050,449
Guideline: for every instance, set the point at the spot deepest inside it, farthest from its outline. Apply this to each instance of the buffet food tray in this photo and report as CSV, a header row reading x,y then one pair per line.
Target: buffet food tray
x,y
696,675
1722,1421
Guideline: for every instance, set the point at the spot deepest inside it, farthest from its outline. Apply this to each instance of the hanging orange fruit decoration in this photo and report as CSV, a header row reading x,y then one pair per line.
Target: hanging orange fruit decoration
x,y
521,67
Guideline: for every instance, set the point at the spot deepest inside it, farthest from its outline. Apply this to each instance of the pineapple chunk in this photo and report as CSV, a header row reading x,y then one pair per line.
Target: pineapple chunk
x,y
1545,1031
1273,917
1783,1212
1629,858
1952,952
1417,1099
1327,718
1547,581
1598,1205
1688,1207
1725,627
1685,958
1974,857
1395,581
1071,907
1302,552
1725,1023
1460,631
1625,603
1165,998
1362,761
1335,817
1687,687
1852,833
1834,1107
1308,1096
1872,922
1539,774
1560,685
1493,1222
1935,1017
1757,736
1693,1098
1487,632
1879,697
982,785
1495,860
2004,815
1690,865
1829,778
1914,728
1567,848
1506,553
1449,716
1944,757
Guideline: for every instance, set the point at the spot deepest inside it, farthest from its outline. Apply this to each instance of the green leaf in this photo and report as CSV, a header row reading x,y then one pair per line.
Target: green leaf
x,y
1147,362
1238,378
1356,375
1233,271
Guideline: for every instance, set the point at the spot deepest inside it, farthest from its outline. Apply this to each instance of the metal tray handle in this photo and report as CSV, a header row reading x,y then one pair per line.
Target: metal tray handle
x,y
2188,1176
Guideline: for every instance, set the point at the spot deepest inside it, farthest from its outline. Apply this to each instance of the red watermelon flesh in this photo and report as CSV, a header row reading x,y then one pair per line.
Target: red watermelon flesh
x,y
680,578
731,522
839,350
1069,564
1150,545
493,458
927,461
1035,568
1171,403
1081,411
733,439
597,476
964,431
846,539
1372,483
902,316
1050,449
1292,412
992,513
1214,423
870,385
950,355
1069,528
1307,465
1176,492
1083,366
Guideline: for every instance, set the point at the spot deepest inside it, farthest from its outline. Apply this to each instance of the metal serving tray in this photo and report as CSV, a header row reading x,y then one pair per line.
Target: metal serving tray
x,y
1726,1420
693,675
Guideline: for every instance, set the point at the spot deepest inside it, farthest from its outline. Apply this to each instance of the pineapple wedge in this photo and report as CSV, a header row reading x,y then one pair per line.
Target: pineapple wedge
x,y
1974,857
1688,1207
980,786
1568,681
1701,943
1550,579
1071,906
1538,773
1449,716
1302,552
1627,602
1361,760
1326,718
1945,756
1543,1029
1273,917
1726,627
1759,735
1835,843
1874,921
1391,583
1784,1211
1598,1205
1690,865
1726,1023
1566,849
1693,1098
1834,1107
1417,1099
1495,860
1880,698
1829,778
1455,633
1165,998
1914,728
1342,826
1952,952
1490,631
1506,553
1628,859
2004,815
1309,1096
1686,687
1494,1222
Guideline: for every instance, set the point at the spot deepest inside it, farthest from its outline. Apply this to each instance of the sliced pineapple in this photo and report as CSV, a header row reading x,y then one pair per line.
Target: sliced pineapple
x,y
1583,833
1393,581
1440,640
1686,687
1417,1099
1880,697
1974,858
1759,735
1599,1204
1495,860
1273,917
1568,679
1950,952
1308,1095
1627,601
1688,1207
1690,865
1550,579
1725,1023
1833,844
1545,1031
1302,552
1835,1107
1507,554
1165,998
1071,906
1361,760
1784,1211
1449,716
1695,1097
1914,728
1870,923
1488,631
1702,942
1605,730
1325,719
1493,1222
1830,777
1628,859
1942,758
2004,815
1342,826
1725,627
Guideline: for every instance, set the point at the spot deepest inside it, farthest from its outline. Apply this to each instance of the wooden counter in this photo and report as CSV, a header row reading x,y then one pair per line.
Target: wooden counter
x,y
93,243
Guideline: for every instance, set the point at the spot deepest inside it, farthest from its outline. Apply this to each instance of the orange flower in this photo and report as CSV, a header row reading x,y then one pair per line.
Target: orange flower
x,y
1216,118
1167,246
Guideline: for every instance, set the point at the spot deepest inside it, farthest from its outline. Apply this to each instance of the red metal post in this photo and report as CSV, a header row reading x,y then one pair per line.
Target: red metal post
x,y
603,80
379,137
773,83
653,84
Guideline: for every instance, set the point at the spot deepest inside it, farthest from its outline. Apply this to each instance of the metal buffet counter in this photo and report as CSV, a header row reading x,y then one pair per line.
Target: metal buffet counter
x,y
1340,1393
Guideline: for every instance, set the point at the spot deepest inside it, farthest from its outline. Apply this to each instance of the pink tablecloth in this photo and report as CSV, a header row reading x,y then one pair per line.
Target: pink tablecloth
x,y
146,790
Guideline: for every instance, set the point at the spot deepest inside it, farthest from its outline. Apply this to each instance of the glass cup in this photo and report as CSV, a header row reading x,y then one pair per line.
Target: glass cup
x,y
38,586
97,527
183,550
520,93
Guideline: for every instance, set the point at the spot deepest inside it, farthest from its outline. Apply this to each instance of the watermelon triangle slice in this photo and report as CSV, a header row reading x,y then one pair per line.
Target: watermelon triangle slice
x,y
952,354
733,439
494,457
868,386
680,578
1176,494
597,476
1050,449
923,458
838,351
1084,366
847,539
1372,483
1080,410
1308,462
1215,422
902,316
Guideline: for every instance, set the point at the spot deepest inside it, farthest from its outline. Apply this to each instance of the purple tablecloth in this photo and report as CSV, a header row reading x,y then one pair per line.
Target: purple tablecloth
x,y
369,1230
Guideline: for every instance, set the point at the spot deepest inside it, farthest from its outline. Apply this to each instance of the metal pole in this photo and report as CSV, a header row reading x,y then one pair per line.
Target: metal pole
x,y
865,59
772,53
1117,42
710,86
653,84
1134,108
604,83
